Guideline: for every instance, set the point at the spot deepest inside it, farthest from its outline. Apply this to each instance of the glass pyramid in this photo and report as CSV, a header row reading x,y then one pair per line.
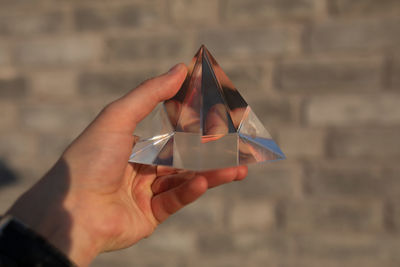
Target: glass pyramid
x,y
206,125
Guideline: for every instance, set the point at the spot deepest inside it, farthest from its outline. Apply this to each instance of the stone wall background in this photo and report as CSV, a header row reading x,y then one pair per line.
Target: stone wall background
x,y
323,75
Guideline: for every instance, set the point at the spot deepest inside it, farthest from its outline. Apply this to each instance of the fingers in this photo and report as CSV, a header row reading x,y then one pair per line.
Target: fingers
x,y
167,182
123,114
172,178
165,170
174,191
223,176
169,202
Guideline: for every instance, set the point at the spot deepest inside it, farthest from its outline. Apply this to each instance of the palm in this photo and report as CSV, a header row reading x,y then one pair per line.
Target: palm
x,y
131,208
151,194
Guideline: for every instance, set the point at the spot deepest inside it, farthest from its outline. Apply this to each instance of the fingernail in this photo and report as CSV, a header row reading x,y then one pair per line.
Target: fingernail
x,y
174,69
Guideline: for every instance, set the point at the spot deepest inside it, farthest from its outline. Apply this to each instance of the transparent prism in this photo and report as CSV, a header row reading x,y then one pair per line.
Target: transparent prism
x,y
206,125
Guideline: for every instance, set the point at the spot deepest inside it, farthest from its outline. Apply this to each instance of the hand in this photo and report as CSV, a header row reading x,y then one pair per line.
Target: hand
x,y
93,200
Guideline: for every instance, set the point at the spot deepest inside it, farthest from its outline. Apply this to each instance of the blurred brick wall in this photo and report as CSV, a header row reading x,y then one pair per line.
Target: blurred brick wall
x,y
323,75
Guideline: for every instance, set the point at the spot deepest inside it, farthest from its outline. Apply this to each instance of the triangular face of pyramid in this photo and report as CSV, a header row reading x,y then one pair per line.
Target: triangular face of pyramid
x,y
206,125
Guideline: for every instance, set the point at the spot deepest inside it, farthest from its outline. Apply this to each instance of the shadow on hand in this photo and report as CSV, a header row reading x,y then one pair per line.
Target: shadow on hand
x,y
41,208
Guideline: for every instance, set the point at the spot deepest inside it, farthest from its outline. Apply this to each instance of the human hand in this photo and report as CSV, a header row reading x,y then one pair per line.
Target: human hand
x,y
93,200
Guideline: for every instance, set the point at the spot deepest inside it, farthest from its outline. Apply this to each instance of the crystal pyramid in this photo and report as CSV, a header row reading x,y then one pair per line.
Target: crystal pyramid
x,y
206,125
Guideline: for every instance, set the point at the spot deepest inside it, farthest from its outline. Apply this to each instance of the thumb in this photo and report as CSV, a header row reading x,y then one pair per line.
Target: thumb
x,y
123,114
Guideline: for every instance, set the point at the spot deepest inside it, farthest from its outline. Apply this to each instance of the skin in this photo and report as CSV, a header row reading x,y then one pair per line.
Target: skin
x,y
93,200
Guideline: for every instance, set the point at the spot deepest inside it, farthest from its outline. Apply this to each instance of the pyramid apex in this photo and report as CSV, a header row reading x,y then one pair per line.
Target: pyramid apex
x,y
203,48
203,51
200,52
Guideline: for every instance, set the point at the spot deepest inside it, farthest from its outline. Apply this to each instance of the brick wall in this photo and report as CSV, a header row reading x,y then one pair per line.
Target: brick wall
x,y
323,75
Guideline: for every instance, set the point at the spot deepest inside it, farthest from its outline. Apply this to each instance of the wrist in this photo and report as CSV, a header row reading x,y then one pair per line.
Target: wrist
x,y
20,246
50,213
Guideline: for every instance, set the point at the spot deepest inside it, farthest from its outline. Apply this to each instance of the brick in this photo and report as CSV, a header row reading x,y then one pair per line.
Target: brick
x,y
5,55
272,110
139,257
394,74
236,259
355,35
137,15
53,119
338,250
258,215
252,80
221,260
346,178
148,14
13,87
53,145
312,144
205,12
353,110
256,11
271,244
254,83
116,83
365,261
53,84
395,216
14,4
9,115
215,243
327,75
18,148
347,250
253,43
91,19
358,179
171,239
334,215
390,181
281,179
351,8
388,252
372,142
7,175
65,51
145,48
32,23
209,210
